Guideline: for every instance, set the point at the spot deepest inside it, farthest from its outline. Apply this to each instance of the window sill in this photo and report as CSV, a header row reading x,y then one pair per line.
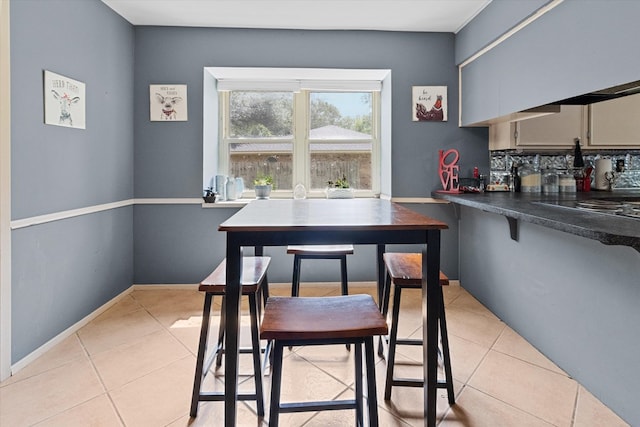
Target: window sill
x,y
239,203
228,204
405,200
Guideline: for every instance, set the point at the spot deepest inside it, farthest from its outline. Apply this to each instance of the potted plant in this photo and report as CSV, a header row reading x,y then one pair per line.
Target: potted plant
x,y
339,189
262,186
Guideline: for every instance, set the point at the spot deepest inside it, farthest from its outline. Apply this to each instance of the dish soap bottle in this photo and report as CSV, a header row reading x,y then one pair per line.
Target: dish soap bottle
x,y
514,179
578,160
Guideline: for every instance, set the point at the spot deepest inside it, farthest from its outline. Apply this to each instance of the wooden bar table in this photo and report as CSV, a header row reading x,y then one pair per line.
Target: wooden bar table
x,y
329,222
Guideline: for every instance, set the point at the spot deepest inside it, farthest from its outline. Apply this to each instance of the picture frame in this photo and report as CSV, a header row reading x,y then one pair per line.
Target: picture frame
x,y
429,104
168,102
64,101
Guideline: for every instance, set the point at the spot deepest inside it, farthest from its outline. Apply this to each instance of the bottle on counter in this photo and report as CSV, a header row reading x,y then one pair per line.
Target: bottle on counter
x,y
514,179
482,182
578,160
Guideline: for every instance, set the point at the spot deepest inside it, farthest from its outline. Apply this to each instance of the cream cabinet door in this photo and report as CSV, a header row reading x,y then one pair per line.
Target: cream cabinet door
x,y
502,136
615,123
554,130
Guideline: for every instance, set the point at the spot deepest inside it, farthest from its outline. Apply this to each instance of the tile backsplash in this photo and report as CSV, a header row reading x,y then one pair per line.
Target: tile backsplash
x,y
501,162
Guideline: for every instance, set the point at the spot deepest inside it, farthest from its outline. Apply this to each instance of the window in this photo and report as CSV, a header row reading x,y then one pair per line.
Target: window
x,y
307,131
304,137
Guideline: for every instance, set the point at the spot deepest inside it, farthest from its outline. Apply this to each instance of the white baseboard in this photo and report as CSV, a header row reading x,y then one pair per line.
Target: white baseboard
x,y
150,287
66,333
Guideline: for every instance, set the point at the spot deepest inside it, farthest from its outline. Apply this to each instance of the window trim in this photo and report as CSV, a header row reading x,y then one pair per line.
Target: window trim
x,y
309,78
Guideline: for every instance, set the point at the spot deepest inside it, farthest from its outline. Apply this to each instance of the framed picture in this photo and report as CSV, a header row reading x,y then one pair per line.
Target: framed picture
x,y
429,103
64,101
168,103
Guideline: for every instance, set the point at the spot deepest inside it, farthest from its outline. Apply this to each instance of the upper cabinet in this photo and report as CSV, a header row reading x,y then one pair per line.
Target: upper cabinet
x,y
538,60
615,123
558,130
603,125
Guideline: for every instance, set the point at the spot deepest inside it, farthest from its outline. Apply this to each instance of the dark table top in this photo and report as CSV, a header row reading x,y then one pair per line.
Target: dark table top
x,y
546,211
327,215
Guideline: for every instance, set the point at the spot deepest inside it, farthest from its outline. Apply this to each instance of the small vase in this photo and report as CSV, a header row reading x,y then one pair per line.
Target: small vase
x,y
239,187
299,192
231,188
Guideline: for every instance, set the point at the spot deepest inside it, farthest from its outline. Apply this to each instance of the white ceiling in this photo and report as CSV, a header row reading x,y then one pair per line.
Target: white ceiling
x,y
384,15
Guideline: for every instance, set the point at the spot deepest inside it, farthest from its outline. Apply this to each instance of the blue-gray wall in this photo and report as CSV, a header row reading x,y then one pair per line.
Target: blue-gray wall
x,y
577,47
63,270
576,300
168,156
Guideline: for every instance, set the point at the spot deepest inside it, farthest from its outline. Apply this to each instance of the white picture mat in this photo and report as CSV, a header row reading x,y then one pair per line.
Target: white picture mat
x,y
429,104
168,102
64,101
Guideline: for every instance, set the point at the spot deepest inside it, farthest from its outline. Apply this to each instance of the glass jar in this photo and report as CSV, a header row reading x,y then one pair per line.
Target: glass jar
x,y
530,179
550,182
566,183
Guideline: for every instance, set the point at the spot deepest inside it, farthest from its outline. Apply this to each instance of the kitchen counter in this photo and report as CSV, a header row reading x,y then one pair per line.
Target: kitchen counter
x,y
538,209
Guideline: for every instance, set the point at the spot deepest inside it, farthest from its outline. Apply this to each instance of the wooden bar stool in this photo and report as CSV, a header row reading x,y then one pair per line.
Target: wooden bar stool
x,y
301,252
253,281
350,319
404,270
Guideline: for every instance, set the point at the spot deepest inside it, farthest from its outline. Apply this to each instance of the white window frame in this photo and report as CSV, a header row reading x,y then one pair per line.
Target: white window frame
x,y
220,79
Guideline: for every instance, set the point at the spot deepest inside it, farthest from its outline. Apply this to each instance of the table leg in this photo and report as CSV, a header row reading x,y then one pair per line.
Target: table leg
x,y
232,330
430,316
380,265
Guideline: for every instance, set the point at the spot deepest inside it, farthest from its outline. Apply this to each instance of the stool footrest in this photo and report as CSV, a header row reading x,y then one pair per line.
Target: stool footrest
x,y
334,405
211,396
220,350
408,382
409,342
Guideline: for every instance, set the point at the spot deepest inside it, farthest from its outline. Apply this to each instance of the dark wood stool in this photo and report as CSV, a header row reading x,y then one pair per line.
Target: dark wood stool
x,y
319,252
404,270
254,282
350,319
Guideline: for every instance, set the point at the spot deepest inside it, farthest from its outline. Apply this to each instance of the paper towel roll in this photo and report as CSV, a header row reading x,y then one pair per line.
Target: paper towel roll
x,y
602,166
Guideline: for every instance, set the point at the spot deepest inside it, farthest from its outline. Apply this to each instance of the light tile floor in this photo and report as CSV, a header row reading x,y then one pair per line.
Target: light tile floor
x,y
133,366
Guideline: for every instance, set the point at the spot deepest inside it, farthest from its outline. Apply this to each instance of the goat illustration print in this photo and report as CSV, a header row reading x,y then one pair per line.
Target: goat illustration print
x,y
64,101
168,106
168,102
65,106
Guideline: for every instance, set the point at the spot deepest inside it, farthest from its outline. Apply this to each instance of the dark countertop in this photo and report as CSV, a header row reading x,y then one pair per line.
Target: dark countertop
x,y
532,208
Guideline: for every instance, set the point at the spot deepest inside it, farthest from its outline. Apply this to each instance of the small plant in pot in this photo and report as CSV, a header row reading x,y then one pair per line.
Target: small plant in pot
x,y
339,189
262,186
